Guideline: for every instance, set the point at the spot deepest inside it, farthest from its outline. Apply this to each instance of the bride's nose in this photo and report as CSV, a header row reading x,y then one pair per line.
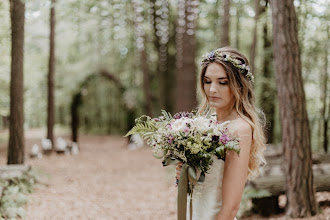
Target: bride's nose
x,y
213,88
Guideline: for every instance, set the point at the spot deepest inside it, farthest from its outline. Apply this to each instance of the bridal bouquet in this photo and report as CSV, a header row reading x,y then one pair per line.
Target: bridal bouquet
x,y
190,139
186,138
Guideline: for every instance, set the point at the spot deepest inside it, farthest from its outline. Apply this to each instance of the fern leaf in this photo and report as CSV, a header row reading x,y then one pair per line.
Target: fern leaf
x,y
141,128
167,115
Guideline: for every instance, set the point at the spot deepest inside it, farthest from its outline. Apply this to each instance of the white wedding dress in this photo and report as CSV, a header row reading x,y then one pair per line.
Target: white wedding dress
x,y
207,196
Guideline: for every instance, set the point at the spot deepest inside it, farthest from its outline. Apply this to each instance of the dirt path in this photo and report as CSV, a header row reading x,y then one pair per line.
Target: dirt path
x,y
105,181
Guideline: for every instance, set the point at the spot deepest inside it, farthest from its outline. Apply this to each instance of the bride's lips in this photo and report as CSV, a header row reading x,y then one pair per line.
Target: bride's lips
x,y
214,97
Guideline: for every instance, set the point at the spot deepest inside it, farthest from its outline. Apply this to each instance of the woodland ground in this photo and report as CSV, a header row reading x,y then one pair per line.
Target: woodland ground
x,y
106,181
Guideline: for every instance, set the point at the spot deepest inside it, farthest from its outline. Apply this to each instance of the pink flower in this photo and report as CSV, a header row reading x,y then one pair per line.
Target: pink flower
x,y
186,130
224,139
170,140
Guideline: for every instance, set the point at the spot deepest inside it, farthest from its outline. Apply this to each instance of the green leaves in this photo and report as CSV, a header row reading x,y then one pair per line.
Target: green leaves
x,y
14,194
144,126
167,115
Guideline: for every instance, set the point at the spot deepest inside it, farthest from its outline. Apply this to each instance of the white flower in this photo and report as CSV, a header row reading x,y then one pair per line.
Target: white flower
x,y
180,124
202,124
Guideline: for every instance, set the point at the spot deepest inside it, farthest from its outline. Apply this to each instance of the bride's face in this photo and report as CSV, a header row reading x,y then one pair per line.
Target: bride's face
x,y
216,87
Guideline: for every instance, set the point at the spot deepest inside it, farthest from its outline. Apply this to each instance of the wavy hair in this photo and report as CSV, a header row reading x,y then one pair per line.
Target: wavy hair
x,y
242,88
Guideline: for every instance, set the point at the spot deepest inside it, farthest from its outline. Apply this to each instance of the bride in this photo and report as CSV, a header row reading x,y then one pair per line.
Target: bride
x,y
226,84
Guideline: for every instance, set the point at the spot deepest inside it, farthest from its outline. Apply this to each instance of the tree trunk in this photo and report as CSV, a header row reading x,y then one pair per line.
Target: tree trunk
x,y
186,46
238,27
51,70
225,24
295,126
254,41
170,83
140,43
326,127
324,91
160,9
268,87
76,103
146,81
16,126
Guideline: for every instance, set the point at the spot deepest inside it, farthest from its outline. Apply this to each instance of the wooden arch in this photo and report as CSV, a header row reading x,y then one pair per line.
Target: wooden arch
x,y
77,101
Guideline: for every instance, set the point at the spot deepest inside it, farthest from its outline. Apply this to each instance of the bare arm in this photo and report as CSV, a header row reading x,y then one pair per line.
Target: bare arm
x,y
235,174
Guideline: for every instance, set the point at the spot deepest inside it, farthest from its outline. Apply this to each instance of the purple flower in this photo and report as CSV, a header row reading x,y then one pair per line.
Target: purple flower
x,y
182,115
224,139
211,56
170,139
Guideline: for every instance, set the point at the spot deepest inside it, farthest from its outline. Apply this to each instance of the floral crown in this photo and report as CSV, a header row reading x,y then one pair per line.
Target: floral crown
x,y
224,56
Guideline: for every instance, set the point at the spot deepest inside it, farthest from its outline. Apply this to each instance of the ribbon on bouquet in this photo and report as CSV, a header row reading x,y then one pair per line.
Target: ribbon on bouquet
x,y
188,178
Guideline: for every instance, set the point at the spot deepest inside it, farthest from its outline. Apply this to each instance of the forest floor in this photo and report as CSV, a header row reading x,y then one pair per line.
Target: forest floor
x,y
107,181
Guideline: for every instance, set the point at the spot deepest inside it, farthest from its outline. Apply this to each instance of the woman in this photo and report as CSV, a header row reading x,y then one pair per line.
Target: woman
x,y
226,84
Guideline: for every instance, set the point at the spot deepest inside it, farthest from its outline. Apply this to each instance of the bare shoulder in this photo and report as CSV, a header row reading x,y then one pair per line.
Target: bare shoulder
x,y
241,128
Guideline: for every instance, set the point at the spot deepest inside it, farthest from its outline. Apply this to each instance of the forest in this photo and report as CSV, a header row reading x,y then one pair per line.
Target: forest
x,y
91,67
95,36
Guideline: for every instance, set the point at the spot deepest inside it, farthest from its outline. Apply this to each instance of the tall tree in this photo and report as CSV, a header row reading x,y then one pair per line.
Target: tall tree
x,y
140,43
225,24
51,71
238,25
254,41
324,91
160,14
295,126
16,127
185,59
268,93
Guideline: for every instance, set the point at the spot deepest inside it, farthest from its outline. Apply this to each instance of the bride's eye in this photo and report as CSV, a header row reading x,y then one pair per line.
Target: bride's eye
x,y
223,83
206,81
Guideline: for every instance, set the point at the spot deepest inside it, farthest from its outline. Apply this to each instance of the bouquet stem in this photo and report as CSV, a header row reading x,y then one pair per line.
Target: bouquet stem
x,y
182,193
188,178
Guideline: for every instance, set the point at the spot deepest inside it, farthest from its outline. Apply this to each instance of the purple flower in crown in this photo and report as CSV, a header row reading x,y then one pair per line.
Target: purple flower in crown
x,y
211,56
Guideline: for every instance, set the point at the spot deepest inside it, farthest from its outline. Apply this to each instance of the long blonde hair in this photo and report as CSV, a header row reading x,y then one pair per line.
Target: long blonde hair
x,y
242,89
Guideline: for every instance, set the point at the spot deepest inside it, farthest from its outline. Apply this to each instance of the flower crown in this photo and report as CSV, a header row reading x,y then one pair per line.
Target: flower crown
x,y
224,56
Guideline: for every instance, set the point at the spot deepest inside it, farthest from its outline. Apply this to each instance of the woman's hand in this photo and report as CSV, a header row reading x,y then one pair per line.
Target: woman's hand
x,y
178,170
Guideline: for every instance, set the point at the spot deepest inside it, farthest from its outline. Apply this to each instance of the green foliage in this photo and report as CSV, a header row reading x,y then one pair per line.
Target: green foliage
x,y
144,125
14,194
167,115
